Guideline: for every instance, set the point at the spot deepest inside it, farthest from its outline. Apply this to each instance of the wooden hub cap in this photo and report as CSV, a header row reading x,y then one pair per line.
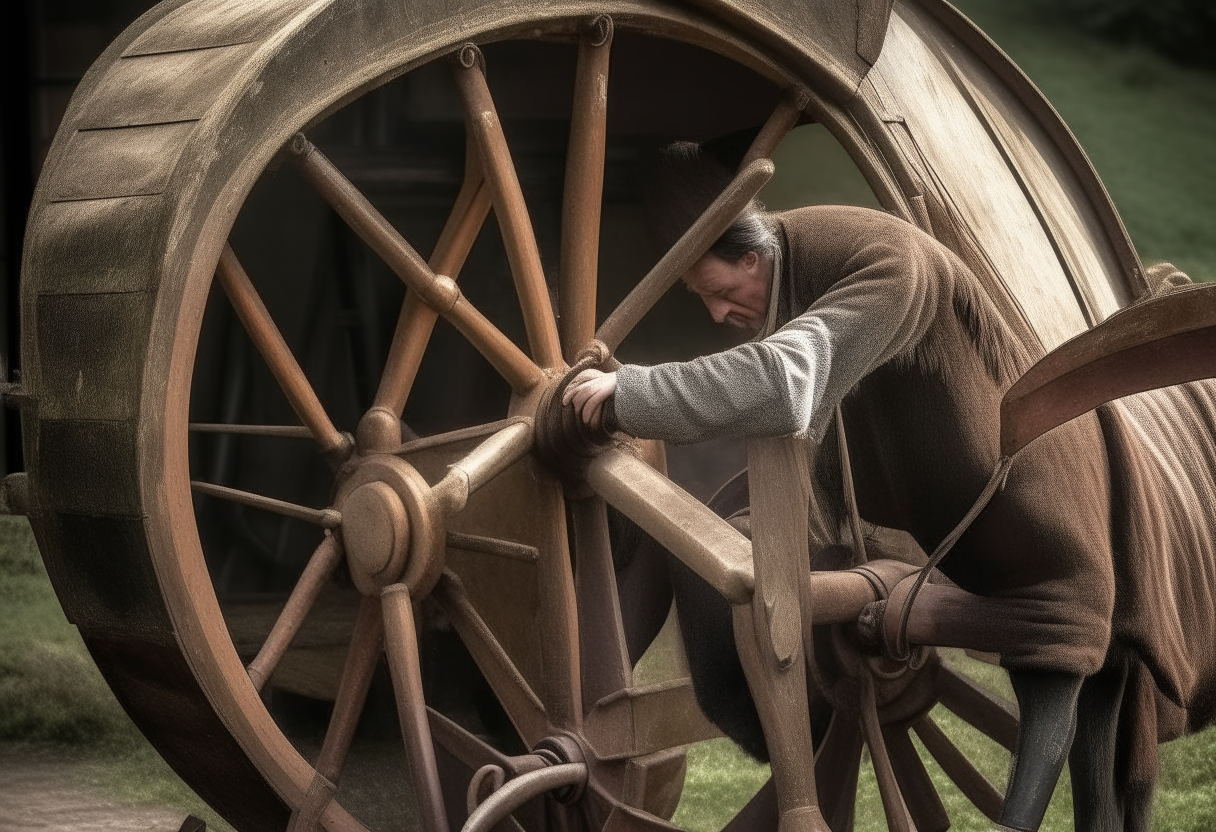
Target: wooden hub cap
x,y
375,528
392,530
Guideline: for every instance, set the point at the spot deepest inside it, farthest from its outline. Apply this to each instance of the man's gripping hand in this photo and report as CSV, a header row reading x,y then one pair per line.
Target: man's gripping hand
x,y
587,392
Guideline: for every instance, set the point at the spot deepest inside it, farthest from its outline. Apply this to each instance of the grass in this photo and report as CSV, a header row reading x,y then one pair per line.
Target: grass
x,y
52,695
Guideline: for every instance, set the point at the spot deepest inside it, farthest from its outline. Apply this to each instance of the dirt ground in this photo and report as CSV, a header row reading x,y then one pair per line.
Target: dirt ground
x,y
48,792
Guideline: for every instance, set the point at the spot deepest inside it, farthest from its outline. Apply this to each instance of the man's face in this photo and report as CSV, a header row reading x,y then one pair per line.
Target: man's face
x,y
734,293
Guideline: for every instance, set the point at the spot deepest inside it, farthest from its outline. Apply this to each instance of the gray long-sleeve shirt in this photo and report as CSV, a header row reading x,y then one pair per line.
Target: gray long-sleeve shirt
x,y
867,285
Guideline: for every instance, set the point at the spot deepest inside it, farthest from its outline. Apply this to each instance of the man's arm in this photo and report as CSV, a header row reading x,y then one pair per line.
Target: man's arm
x,y
790,382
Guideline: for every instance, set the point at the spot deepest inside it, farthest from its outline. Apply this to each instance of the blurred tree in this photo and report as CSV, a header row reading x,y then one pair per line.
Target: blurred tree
x,y
1183,30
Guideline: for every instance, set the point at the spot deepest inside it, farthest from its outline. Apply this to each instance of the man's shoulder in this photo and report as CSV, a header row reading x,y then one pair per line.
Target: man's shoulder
x,y
843,215
846,228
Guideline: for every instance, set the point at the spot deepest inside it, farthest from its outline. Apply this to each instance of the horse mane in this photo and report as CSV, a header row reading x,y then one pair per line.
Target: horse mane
x,y
1004,357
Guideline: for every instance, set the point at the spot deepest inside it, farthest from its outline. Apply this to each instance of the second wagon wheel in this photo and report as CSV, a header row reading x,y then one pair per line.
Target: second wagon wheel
x,y
159,151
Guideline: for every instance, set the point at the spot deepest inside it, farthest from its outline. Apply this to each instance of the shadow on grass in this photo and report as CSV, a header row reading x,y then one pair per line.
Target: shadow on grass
x,y
53,697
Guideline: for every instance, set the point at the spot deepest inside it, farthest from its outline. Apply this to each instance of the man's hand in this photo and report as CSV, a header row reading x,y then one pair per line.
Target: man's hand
x,y
588,392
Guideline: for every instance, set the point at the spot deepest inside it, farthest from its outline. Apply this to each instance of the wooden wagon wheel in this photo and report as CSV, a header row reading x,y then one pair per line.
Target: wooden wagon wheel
x,y
171,129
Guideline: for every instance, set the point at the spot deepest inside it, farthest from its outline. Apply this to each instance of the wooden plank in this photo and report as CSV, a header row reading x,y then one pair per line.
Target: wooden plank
x,y
204,23
84,374
96,245
119,161
155,89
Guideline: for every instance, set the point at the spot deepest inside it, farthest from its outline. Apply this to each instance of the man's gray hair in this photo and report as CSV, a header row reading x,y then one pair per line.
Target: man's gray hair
x,y
751,231
683,181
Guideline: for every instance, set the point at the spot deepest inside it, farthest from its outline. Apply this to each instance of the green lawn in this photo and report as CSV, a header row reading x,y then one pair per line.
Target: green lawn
x,y
52,694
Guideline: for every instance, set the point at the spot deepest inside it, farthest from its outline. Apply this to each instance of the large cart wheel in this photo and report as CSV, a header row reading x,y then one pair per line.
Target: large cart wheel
x,y
493,524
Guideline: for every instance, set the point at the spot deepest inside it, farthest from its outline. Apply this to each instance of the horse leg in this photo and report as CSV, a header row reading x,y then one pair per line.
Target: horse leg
x,y
1136,760
1048,704
1097,803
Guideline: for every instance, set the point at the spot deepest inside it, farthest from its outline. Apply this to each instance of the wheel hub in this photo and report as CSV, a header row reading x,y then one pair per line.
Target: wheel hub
x,y
376,527
392,530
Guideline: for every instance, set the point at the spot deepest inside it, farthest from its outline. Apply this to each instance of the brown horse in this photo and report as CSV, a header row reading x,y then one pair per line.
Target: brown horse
x,y
1081,573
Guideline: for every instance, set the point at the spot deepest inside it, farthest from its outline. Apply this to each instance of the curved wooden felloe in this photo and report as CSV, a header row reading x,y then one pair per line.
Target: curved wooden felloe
x,y
162,143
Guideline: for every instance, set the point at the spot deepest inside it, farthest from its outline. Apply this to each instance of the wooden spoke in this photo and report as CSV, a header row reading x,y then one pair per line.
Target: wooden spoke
x,y
417,320
920,795
465,747
584,190
312,580
289,431
508,549
326,518
837,765
522,705
606,667
489,459
974,785
687,250
438,292
357,673
709,545
274,350
975,705
401,646
783,119
893,806
481,118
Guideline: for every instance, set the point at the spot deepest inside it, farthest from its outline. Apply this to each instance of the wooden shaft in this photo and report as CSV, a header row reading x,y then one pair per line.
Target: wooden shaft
x,y
493,546
606,668
303,595
288,431
326,518
839,597
417,320
850,493
837,766
893,806
710,546
687,250
273,347
584,190
489,459
509,208
781,122
357,674
401,646
769,631
920,795
523,707
437,291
